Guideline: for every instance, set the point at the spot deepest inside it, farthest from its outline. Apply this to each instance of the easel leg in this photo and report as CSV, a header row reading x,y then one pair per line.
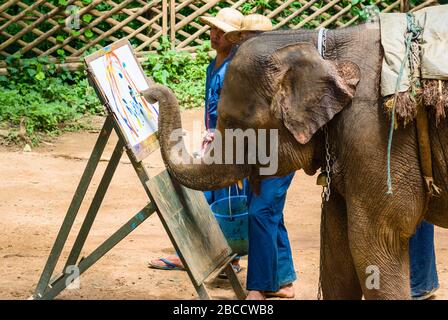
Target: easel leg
x,y
61,283
95,205
202,292
74,208
235,282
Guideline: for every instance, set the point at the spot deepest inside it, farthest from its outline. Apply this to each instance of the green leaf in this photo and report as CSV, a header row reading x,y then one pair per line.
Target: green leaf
x,y
86,1
76,33
355,11
31,72
87,18
157,67
61,52
40,76
60,38
165,75
43,59
355,2
10,59
12,70
88,33
62,2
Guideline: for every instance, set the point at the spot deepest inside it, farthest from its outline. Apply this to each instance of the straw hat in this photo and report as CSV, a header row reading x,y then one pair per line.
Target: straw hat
x,y
227,20
252,23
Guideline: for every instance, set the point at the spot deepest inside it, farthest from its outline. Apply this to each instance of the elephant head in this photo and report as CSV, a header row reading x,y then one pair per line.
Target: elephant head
x,y
290,89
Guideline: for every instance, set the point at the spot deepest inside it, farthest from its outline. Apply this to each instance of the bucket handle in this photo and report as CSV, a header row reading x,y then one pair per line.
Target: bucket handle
x,y
230,202
237,193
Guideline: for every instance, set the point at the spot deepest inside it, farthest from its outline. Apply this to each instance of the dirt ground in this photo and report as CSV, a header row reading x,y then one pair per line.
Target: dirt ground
x,y
36,189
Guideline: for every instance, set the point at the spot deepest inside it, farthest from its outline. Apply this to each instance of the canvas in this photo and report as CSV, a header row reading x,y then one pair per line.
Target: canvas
x,y
120,80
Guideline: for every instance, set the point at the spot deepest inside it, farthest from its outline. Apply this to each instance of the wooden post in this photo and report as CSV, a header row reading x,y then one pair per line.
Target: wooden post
x,y
404,5
173,23
164,18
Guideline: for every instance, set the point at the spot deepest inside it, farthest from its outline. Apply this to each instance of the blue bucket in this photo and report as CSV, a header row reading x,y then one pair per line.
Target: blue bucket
x,y
232,216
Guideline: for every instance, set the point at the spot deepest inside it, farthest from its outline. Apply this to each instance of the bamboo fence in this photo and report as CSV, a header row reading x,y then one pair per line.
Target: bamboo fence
x,y
68,30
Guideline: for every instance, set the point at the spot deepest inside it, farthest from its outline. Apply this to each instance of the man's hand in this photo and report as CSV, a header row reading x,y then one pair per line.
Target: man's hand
x,y
209,137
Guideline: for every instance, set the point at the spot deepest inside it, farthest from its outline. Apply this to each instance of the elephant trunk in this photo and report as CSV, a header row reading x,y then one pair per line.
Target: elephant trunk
x,y
193,173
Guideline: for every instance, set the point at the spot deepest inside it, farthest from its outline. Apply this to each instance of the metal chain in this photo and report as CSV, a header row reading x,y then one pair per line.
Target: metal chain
x,y
326,190
325,195
321,256
322,46
324,43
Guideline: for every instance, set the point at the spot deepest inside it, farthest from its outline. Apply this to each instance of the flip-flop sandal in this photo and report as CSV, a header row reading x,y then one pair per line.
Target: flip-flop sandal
x,y
236,268
168,265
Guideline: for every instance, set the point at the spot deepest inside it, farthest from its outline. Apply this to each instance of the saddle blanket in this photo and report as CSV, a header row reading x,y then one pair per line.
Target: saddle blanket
x,y
433,48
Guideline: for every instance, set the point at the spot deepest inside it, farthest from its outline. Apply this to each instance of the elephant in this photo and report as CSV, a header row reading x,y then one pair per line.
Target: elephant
x,y
278,80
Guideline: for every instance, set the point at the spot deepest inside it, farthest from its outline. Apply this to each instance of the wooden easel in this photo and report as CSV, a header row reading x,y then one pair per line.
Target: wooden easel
x,y
183,212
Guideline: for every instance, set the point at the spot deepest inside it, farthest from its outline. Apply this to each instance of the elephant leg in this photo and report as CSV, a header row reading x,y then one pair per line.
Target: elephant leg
x,y
380,254
339,278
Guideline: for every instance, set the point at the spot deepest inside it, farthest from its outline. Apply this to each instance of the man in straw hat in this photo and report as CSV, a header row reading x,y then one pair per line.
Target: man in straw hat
x,y
252,25
227,20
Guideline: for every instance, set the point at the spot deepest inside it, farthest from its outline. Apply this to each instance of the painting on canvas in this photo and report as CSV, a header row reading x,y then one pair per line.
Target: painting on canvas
x,y
120,80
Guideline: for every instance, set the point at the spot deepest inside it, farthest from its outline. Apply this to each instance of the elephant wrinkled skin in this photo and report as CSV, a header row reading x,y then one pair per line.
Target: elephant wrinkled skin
x,y
277,80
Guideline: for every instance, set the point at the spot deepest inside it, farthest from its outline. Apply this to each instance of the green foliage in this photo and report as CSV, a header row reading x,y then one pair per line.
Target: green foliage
x,y
257,6
43,99
78,40
181,71
364,9
359,9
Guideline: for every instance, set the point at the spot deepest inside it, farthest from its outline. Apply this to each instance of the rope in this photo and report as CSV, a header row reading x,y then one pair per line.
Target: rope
x,y
413,31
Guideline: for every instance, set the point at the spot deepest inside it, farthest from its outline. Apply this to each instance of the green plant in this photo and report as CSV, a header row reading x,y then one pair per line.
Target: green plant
x,y
364,9
41,98
181,71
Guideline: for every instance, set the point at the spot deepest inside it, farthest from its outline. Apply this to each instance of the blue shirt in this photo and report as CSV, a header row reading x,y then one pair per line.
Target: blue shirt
x,y
213,86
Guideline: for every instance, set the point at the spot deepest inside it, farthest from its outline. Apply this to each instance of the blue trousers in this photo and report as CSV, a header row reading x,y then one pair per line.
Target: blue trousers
x,y
423,260
270,263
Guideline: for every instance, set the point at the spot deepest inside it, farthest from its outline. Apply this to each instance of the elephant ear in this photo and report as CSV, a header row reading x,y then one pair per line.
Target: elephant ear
x,y
311,90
